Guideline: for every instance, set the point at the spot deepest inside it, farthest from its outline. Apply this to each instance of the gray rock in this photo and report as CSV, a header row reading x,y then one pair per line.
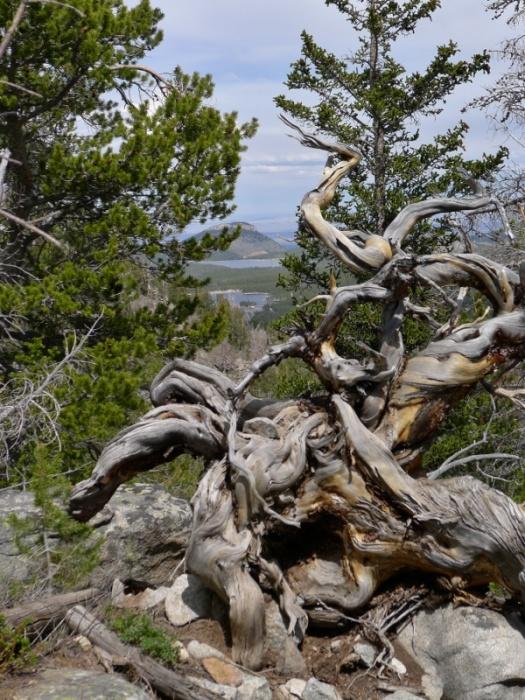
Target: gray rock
x,y
187,600
323,578
403,695
14,566
316,690
222,691
367,653
468,653
200,650
254,688
74,684
432,686
291,690
280,649
144,531
148,598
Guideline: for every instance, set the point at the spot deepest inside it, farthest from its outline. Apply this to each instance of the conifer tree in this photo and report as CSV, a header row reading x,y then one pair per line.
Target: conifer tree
x,y
109,160
371,101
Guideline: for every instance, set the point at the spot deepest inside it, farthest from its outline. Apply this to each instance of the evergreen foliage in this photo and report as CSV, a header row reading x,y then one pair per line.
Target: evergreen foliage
x,y
112,165
370,100
15,649
68,550
139,629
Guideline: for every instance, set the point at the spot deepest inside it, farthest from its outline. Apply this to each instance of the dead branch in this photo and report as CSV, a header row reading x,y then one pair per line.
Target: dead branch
x,y
20,405
57,3
170,683
21,88
15,23
46,609
34,229
313,499
164,85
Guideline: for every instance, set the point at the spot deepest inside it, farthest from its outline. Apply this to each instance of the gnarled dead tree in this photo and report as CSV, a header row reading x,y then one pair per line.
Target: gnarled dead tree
x,y
314,499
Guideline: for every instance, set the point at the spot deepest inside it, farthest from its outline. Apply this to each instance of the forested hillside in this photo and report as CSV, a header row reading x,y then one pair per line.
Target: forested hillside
x,y
250,243
232,465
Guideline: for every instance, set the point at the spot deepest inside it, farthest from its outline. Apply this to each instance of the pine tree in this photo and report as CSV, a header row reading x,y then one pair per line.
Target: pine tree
x,y
111,161
371,101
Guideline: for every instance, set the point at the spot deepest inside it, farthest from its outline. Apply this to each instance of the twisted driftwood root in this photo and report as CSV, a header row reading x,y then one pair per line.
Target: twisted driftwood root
x,y
311,500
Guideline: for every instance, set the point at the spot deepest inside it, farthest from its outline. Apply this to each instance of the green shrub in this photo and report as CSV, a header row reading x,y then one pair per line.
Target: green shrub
x,y
289,380
138,629
180,477
71,550
15,648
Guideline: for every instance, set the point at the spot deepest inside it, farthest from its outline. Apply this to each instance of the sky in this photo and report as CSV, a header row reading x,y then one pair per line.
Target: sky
x,y
248,48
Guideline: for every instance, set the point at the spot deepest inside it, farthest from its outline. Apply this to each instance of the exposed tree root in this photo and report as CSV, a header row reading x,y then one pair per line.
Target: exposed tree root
x,y
311,500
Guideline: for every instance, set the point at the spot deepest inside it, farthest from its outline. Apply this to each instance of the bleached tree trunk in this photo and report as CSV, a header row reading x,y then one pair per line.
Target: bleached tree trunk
x,y
306,491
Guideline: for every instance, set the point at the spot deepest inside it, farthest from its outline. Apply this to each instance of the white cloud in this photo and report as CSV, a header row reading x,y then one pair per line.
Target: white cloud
x,y
248,47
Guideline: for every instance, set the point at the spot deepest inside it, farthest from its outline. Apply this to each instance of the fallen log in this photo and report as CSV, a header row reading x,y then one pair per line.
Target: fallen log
x,y
170,683
48,608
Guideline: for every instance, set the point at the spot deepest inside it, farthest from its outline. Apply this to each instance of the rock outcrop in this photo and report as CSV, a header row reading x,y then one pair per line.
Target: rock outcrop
x,y
468,653
144,532
75,684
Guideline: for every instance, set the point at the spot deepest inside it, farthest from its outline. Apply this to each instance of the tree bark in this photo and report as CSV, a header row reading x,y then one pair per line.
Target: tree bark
x,y
310,500
41,611
171,684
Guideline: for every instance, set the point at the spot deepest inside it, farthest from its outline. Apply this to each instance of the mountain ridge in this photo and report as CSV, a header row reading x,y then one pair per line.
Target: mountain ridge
x,y
251,243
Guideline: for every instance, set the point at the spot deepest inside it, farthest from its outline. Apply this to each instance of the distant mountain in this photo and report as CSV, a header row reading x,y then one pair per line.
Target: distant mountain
x,y
251,243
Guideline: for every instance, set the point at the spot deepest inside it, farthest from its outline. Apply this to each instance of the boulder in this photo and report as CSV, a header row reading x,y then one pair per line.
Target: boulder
x,y
144,532
15,567
75,684
316,690
187,600
281,650
468,653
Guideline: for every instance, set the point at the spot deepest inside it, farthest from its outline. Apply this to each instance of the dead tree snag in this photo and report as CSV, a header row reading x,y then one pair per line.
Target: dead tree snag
x,y
337,468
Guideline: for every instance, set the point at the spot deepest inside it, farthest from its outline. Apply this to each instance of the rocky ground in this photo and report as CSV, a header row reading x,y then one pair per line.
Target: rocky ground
x,y
449,652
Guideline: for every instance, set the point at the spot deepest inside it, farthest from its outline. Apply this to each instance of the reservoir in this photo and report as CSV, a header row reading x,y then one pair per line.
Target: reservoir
x,y
244,263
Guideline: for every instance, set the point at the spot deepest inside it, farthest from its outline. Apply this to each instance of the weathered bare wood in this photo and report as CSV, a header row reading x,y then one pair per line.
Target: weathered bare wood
x,y
20,88
48,608
67,5
337,467
159,437
217,553
15,23
170,683
360,251
31,227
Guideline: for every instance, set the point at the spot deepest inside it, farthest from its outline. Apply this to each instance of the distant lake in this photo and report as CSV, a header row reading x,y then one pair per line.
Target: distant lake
x,y
237,264
249,302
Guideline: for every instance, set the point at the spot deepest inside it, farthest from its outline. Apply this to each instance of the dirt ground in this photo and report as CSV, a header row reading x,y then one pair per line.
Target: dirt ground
x,y
326,656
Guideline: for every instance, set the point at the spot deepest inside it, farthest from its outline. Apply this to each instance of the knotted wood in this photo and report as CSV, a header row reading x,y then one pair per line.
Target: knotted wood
x,y
310,499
